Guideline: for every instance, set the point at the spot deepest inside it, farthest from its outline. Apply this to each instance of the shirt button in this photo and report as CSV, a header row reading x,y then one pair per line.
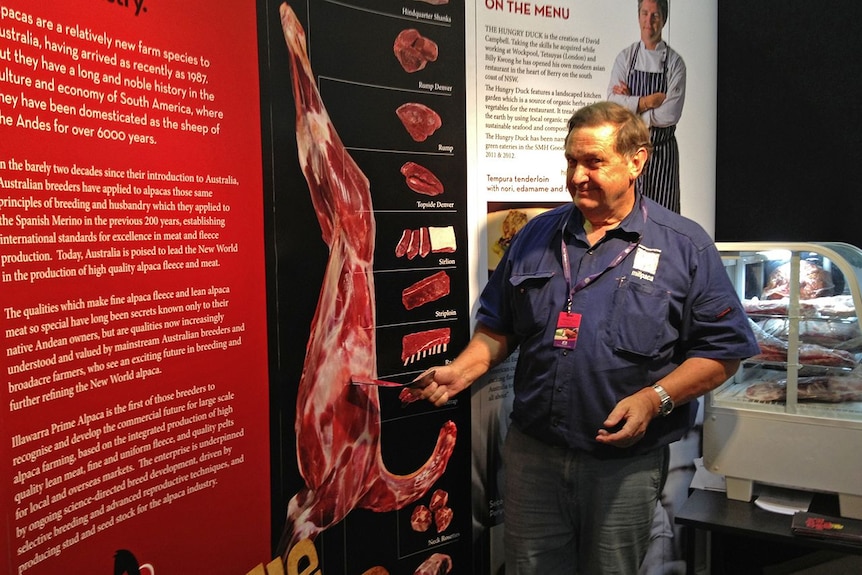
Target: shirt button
x,y
560,388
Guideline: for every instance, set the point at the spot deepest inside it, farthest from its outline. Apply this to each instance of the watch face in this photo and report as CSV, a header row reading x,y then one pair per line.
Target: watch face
x,y
666,402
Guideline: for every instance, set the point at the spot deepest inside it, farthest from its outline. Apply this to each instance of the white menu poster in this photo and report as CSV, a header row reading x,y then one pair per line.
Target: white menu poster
x,y
531,65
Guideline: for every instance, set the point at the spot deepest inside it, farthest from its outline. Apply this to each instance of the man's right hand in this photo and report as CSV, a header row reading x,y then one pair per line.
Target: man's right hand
x,y
486,349
439,384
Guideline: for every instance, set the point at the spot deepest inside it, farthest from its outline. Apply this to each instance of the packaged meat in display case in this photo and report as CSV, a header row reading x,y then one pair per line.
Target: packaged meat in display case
x,y
792,415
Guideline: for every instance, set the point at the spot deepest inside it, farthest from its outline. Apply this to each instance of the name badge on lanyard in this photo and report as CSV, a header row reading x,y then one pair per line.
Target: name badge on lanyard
x,y
566,333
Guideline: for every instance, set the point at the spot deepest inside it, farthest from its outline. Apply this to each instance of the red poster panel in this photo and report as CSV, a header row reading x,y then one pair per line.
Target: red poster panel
x,y
133,426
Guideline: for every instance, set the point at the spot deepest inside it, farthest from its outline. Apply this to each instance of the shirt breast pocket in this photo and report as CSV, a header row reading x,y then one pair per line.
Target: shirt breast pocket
x,y
531,301
639,325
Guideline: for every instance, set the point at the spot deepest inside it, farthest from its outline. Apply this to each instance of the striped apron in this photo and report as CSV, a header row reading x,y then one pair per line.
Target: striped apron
x,y
660,178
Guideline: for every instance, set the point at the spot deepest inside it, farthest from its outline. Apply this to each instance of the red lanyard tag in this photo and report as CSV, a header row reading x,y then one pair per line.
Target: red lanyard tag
x,y
566,333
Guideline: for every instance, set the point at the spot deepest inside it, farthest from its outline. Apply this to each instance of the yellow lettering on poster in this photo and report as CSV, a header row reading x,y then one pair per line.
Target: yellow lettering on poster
x,y
302,559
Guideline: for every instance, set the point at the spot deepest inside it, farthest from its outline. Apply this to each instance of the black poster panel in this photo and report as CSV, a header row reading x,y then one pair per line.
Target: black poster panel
x,y
369,232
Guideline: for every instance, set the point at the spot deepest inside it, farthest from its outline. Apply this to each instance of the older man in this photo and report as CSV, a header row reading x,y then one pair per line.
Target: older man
x,y
623,314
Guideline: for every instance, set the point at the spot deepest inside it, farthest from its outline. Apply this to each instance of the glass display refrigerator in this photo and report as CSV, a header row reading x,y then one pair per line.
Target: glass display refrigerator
x,y
792,415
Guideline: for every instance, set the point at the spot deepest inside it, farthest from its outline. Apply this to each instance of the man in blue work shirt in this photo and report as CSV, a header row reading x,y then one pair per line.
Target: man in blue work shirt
x,y
623,314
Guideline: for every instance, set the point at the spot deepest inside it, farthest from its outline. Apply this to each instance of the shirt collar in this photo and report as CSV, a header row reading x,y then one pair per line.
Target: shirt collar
x,y
661,45
630,229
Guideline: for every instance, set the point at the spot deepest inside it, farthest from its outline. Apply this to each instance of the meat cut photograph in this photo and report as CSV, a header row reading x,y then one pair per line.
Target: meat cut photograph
x,y
338,425
419,120
421,180
413,50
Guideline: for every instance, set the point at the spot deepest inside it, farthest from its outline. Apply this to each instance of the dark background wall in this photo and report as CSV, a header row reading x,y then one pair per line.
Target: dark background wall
x,y
789,106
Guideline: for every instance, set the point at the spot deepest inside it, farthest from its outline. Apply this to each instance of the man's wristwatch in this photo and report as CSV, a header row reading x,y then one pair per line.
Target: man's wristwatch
x,y
666,402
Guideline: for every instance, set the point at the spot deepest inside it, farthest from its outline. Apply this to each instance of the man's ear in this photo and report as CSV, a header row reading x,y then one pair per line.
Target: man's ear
x,y
637,163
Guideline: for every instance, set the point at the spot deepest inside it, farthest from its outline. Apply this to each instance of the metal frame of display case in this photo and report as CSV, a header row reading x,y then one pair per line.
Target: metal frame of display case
x,y
800,445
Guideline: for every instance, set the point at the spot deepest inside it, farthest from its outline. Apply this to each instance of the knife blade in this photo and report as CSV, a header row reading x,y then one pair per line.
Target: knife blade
x,y
356,380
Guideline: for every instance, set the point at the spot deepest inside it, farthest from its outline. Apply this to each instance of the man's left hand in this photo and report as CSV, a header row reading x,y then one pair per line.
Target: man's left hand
x,y
622,89
633,413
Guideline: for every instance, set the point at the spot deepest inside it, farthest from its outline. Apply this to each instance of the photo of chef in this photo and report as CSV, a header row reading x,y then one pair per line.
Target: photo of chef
x,y
648,78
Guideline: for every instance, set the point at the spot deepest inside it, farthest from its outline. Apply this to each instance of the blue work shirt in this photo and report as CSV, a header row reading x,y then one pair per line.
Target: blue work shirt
x,y
669,299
